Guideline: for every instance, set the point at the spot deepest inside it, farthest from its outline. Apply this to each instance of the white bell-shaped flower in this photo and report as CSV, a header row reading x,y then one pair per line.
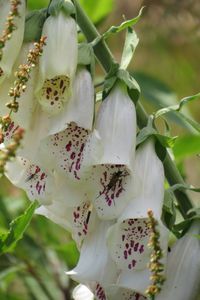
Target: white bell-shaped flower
x,y
70,130
13,45
112,172
95,267
127,240
57,65
183,268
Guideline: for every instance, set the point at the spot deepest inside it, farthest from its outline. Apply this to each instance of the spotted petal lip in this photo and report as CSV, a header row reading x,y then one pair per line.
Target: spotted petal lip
x,y
35,180
57,65
13,45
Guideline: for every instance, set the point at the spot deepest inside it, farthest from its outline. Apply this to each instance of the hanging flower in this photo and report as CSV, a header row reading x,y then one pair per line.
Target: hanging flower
x,y
69,131
183,268
111,175
14,40
95,267
128,239
58,63
81,292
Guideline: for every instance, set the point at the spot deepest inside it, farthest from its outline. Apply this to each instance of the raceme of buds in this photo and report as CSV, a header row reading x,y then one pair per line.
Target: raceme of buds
x,y
58,63
183,268
12,16
26,107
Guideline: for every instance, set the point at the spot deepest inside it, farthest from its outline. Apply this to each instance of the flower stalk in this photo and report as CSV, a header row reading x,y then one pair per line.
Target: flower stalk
x,y
23,75
106,59
155,266
9,26
10,151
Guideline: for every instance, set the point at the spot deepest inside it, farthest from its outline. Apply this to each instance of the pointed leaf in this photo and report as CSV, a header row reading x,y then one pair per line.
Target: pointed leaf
x,y
130,45
17,228
122,26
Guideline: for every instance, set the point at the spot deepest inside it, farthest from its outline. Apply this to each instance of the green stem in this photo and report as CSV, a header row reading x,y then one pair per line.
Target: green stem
x,y
106,59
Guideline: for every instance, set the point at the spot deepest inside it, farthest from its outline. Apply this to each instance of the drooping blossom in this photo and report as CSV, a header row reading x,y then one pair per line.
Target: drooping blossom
x,y
58,63
112,172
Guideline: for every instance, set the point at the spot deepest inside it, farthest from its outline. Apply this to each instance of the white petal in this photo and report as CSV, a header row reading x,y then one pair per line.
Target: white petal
x,y
13,45
35,180
148,184
137,281
183,268
112,189
95,264
65,151
58,62
119,293
80,108
80,220
128,243
81,292
116,124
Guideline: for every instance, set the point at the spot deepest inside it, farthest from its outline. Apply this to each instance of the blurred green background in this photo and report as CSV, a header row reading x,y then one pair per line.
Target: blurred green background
x,y
166,65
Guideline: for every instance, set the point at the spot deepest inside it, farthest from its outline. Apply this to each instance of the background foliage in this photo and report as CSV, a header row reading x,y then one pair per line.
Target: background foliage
x,y
166,65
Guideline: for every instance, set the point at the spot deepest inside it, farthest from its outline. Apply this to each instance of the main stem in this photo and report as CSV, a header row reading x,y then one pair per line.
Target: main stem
x,y
106,59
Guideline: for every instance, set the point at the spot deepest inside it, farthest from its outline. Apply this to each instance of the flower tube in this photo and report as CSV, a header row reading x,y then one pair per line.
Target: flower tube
x,y
111,175
13,45
183,268
57,65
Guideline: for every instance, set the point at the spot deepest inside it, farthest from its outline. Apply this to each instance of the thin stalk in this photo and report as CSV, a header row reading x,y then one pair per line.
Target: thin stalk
x,y
106,59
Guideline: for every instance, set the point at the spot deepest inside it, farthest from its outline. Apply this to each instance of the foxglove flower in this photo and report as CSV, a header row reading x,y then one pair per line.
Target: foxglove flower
x,y
111,175
13,45
69,131
127,239
183,268
95,266
57,65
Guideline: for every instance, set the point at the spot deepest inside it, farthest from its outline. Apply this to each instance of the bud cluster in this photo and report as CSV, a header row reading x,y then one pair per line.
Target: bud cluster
x,y
155,266
10,25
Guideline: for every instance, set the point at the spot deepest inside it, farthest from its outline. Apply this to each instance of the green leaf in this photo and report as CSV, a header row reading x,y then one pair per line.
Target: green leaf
x,y
34,24
186,146
130,45
146,132
122,26
169,210
178,107
132,85
160,95
180,187
17,228
110,79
